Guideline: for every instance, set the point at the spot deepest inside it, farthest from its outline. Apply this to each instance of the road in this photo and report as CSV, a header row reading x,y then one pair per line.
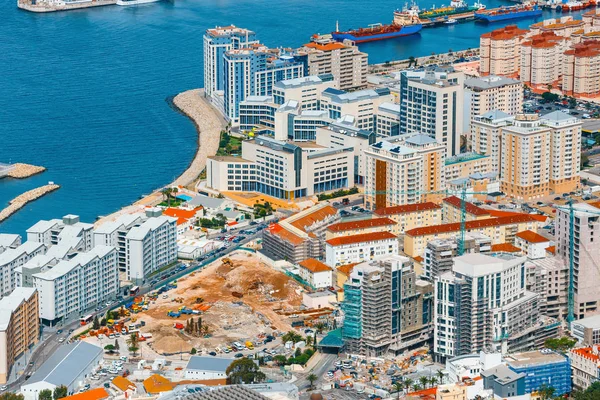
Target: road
x,y
50,341
324,365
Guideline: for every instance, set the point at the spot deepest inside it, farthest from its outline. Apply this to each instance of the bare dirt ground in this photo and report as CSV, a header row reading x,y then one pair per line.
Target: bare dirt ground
x,y
229,318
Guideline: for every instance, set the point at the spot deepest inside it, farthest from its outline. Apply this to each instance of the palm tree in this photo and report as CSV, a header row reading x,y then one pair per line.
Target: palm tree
x,y
312,378
424,381
398,385
433,381
416,387
133,342
408,384
411,61
441,376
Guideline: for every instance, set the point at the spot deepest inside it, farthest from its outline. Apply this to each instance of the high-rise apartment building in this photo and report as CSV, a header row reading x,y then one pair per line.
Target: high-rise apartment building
x,y
500,51
306,90
486,135
12,259
439,253
344,61
68,230
483,302
586,258
386,308
431,103
581,70
398,169
114,234
217,42
19,327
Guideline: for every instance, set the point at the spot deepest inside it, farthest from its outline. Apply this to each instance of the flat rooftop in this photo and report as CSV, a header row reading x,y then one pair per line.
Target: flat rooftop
x,y
532,358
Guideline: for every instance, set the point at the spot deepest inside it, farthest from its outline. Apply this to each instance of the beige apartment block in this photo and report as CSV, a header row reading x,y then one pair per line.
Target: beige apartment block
x,y
500,51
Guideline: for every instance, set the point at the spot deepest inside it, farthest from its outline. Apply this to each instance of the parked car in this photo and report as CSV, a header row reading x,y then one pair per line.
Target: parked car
x,y
212,353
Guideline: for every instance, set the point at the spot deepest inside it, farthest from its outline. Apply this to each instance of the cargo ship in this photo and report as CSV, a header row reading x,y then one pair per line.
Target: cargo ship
x,y
507,13
406,22
455,7
575,5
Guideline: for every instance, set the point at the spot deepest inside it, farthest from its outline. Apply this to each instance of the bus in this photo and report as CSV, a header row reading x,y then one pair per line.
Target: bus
x,y
86,320
134,291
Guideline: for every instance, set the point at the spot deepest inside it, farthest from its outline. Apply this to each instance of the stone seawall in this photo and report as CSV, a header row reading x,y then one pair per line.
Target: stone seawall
x,y
20,201
20,170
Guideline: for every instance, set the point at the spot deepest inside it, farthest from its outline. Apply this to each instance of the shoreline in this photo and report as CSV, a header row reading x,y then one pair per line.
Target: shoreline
x,y
208,123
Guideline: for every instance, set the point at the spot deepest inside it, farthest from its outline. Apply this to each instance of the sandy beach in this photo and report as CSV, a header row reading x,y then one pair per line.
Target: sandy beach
x,y
209,123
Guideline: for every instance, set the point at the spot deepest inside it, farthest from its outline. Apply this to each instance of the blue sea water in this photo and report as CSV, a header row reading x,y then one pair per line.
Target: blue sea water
x,y
84,92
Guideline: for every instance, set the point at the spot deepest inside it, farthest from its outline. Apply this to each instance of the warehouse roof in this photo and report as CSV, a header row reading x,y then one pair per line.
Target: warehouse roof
x,y
66,364
235,392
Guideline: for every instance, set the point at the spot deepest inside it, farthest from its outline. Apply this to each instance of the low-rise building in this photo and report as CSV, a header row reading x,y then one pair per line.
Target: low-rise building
x,y
587,330
532,244
207,368
70,365
470,366
296,124
19,327
452,211
585,366
410,216
504,382
319,299
317,274
542,368
360,248
363,105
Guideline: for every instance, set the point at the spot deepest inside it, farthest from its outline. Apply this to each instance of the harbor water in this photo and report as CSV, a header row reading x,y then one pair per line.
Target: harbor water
x,y
84,93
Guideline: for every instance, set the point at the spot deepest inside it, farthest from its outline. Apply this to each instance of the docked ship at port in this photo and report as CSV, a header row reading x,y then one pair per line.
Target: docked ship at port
x,y
455,7
406,22
508,13
573,5
135,2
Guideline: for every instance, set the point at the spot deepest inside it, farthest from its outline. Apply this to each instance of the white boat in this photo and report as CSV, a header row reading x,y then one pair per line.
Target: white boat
x,y
450,21
134,2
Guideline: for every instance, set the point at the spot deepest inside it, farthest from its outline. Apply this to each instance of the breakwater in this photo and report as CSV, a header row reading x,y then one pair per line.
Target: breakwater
x,y
20,201
21,171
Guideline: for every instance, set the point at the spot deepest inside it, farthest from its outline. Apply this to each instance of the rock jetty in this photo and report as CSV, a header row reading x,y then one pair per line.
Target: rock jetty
x,y
21,170
20,201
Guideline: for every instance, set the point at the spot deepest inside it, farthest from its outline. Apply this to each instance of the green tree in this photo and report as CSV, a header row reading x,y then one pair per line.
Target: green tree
x,y
291,336
60,392
433,381
133,342
193,351
407,384
546,392
96,323
411,61
280,359
109,348
560,344
11,396
312,378
45,394
116,344
550,97
416,387
441,376
398,386
103,322
424,381
244,370
591,393
585,161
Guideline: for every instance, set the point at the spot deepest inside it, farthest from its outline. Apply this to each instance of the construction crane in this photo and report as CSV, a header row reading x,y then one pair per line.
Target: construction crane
x,y
462,195
571,292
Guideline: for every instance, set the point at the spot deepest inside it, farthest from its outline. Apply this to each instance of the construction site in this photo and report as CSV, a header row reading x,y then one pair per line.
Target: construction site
x,y
237,298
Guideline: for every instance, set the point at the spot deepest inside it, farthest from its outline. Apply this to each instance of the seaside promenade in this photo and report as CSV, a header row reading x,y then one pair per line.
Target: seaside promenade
x,y
209,124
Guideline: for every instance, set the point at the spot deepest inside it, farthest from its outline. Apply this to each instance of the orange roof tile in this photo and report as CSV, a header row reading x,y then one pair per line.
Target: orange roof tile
x,y
179,213
551,249
347,268
325,47
157,384
419,259
469,207
586,352
505,247
498,213
407,208
365,223
532,237
316,216
122,383
285,235
314,265
483,223
94,394
364,237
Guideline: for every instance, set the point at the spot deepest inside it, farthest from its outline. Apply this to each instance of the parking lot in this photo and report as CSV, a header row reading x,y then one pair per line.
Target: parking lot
x,y
534,103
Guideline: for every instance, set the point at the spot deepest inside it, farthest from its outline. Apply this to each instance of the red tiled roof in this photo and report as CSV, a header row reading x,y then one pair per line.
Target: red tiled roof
x,y
364,237
157,383
483,223
179,213
419,259
586,352
505,247
407,208
315,216
551,249
346,269
314,265
498,213
285,235
365,223
123,383
94,394
532,237
469,207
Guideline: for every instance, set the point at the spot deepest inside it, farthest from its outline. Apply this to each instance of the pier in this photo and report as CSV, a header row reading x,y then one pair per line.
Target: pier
x,y
464,17
43,6
19,170
20,201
